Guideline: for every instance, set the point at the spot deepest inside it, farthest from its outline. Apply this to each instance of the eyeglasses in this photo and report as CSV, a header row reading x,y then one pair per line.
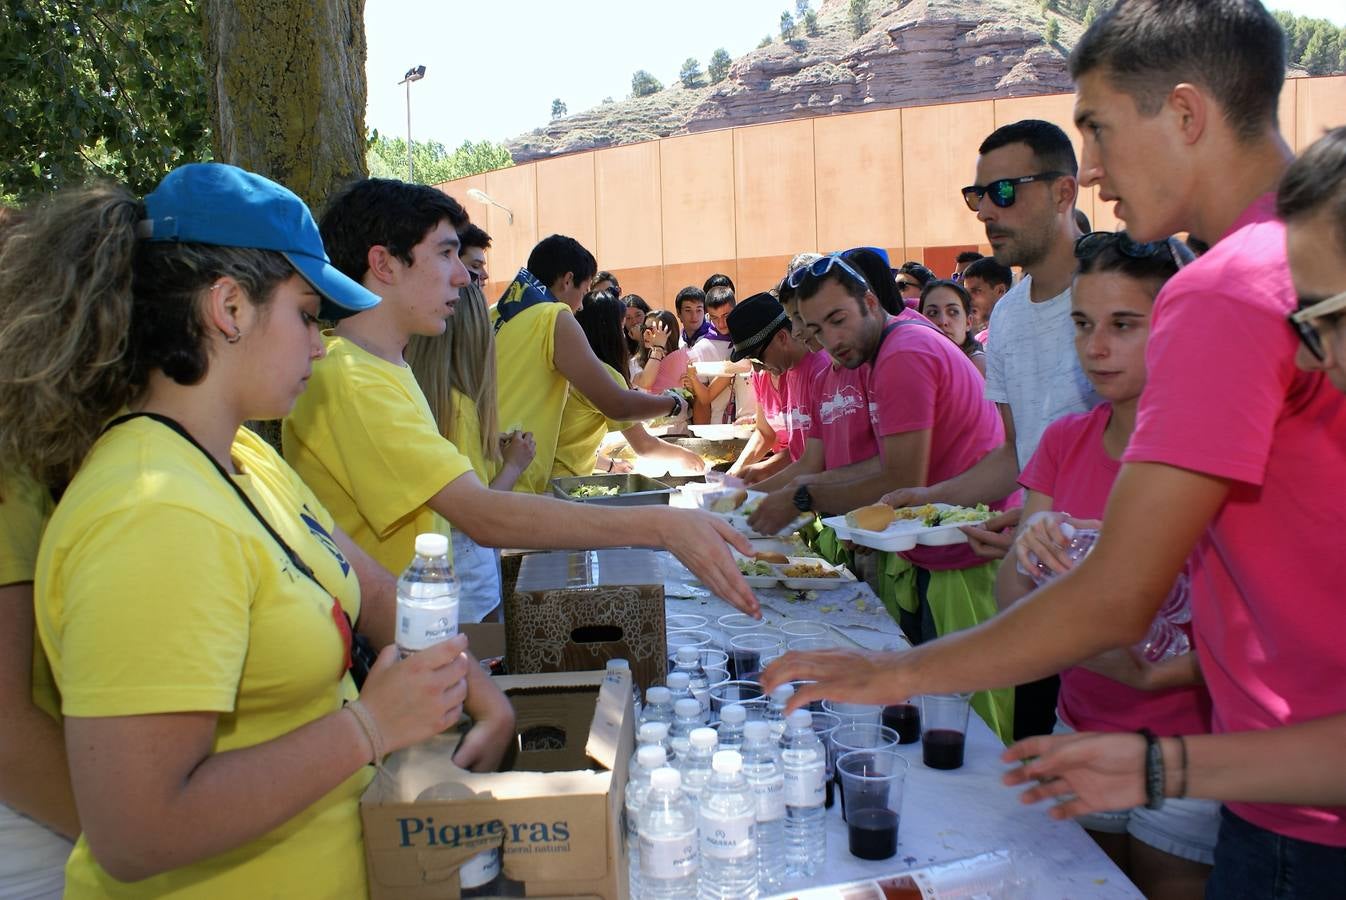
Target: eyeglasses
x,y
1302,321
903,285
1004,191
820,267
1095,242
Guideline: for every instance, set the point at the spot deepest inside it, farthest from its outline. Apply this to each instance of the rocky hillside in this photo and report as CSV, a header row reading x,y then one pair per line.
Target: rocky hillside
x,y
914,52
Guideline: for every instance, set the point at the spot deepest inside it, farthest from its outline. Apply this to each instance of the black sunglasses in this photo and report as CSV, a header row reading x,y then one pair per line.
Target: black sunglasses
x,y
1004,191
820,267
1308,335
1095,242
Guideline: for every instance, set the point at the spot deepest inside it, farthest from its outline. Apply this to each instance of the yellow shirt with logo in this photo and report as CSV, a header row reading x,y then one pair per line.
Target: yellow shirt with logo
x,y
467,436
363,437
583,426
532,390
157,591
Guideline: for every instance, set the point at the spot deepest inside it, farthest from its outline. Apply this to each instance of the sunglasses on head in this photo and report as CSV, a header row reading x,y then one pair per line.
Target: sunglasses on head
x,y
1095,242
820,267
1301,320
902,284
1004,191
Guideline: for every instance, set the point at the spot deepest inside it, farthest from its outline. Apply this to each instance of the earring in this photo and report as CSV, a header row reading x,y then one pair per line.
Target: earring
x,y
234,338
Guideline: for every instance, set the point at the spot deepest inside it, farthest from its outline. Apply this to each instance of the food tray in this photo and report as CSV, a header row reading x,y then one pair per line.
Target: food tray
x,y
721,432
632,489
720,368
905,534
844,576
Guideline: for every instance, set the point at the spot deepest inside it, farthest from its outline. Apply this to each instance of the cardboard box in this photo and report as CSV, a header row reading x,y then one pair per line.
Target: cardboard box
x,y
572,611
557,813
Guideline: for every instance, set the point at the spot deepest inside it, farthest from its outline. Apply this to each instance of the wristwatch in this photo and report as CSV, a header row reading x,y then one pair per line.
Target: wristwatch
x,y
803,499
677,406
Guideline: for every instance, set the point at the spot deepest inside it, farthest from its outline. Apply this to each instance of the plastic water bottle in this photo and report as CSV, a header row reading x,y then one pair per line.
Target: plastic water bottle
x,y
651,734
1081,542
614,670
686,717
775,709
648,758
427,597
1166,638
669,857
695,763
805,763
762,767
688,661
658,706
732,719
728,823
679,685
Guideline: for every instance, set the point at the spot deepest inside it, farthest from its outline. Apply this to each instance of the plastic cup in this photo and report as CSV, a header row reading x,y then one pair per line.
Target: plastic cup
x,y
809,644
735,624
944,730
905,719
800,628
824,723
675,639
872,783
747,694
714,659
716,677
749,653
863,736
854,713
685,622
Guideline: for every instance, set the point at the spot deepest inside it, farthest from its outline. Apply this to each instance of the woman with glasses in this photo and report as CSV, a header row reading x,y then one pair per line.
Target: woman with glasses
x,y
949,305
662,362
1166,852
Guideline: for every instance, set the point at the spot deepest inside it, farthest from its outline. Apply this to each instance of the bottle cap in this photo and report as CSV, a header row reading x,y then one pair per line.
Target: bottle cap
x,y
652,732
431,544
678,681
726,762
734,714
703,738
665,779
783,692
757,730
658,695
800,718
618,665
651,756
687,656
687,708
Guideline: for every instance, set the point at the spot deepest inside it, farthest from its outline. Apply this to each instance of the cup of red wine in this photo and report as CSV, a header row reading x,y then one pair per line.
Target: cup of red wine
x,y
872,781
944,730
905,719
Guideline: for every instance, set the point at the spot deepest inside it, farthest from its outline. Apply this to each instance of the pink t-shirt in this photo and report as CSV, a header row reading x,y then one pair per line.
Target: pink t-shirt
x,y
982,336
797,389
1268,576
919,380
840,416
771,404
671,370
1071,466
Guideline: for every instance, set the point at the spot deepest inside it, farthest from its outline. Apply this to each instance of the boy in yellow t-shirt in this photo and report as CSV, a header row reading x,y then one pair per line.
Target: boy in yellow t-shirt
x,y
364,438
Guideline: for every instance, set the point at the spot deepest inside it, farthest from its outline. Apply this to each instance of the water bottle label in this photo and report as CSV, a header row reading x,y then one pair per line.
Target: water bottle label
x,y
770,798
806,786
668,856
727,836
418,629
479,869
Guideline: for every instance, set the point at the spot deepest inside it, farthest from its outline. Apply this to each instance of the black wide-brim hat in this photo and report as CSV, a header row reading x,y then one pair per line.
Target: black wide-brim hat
x,y
754,322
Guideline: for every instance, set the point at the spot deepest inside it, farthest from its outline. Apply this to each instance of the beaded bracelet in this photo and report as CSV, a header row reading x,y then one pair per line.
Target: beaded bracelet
x,y
1154,770
1182,749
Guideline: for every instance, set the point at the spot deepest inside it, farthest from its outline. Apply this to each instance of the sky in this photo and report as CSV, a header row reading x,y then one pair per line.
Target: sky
x,y
483,82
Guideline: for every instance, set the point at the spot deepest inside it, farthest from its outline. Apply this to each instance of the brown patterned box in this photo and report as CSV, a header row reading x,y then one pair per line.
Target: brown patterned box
x,y
572,611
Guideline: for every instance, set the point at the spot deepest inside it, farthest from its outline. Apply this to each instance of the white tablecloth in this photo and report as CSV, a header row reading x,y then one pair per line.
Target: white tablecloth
x,y
945,815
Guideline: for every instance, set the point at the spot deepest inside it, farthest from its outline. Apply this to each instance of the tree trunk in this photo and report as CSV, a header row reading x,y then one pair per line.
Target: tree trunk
x,y
287,90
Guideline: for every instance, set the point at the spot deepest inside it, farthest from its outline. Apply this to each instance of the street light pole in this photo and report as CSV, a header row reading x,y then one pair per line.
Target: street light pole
x,y
416,73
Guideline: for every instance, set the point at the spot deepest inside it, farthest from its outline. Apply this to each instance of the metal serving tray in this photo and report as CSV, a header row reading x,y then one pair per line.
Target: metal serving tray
x,y
632,489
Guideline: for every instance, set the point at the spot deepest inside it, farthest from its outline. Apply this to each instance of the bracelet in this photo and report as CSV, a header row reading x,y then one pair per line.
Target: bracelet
x,y
611,462
1154,770
662,354
1182,751
371,730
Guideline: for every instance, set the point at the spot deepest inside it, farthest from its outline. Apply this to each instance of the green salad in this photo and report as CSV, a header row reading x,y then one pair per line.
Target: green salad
x,y
958,515
585,491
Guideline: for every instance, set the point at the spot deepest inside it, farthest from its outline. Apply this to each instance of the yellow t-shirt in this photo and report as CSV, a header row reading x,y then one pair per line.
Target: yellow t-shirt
x,y
157,591
363,437
582,430
25,507
532,391
467,435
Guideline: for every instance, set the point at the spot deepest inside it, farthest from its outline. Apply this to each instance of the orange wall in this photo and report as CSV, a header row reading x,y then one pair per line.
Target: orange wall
x,y
668,213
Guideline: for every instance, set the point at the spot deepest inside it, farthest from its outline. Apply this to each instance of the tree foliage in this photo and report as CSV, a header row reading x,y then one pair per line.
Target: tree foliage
x,y
100,89
858,11
432,162
718,67
1315,44
1052,33
643,84
787,26
690,74
558,108
766,41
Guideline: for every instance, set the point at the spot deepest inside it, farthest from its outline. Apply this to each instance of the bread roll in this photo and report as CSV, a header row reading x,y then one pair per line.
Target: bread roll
x,y
871,518
771,556
729,502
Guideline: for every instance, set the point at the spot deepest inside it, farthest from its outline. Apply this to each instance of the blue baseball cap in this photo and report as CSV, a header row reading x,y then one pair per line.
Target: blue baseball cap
x,y
214,203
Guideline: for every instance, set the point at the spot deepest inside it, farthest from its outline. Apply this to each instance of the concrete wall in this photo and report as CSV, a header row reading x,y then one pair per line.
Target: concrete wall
x,y
742,201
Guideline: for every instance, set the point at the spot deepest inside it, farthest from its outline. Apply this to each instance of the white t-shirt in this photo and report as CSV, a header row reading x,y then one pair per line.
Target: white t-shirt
x,y
32,858
706,350
1031,364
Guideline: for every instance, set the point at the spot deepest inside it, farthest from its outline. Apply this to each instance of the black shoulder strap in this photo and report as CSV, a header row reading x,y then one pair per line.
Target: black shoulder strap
x,y
177,428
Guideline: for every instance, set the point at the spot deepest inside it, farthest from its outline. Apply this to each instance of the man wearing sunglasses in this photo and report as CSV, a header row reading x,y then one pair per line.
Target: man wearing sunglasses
x,y
1237,463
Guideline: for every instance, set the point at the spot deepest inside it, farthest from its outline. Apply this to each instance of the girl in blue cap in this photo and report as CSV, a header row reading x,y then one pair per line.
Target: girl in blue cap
x,y
193,599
